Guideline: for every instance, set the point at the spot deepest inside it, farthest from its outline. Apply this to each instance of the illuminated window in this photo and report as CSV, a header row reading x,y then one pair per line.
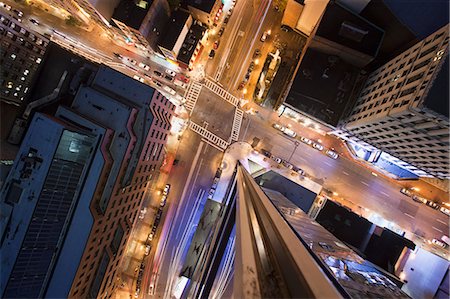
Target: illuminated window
x,y
13,56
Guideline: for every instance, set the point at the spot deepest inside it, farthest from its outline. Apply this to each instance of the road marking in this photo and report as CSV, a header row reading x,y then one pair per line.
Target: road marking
x,y
214,87
346,173
410,216
192,95
435,228
384,193
237,122
439,220
364,183
210,137
328,163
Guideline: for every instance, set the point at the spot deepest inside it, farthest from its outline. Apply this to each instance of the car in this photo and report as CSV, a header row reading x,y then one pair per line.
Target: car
x,y
144,66
317,146
212,53
288,165
439,243
276,159
445,211
266,153
432,204
265,35
147,249
183,78
241,85
278,127
117,55
169,77
140,79
251,67
150,236
289,132
132,61
166,189
225,21
418,199
158,73
332,154
221,30
17,18
170,72
247,76
257,53
180,83
18,12
285,28
162,203
169,90
6,6
216,44
300,171
35,22
306,140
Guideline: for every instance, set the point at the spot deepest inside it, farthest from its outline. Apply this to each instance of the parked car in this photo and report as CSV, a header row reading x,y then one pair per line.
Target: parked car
x,y
225,21
144,66
170,72
300,171
332,154
212,53
432,204
222,29
265,35
306,140
118,55
166,189
35,22
257,53
150,236
439,243
158,73
266,153
317,146
445,211
147,249
276,159
288,165
216,44
169,90
18,12
168,78
162,203
278,127
406,192
140,79
289,132
180,83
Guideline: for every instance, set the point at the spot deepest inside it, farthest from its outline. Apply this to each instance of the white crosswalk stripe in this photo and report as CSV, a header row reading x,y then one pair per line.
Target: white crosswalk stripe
x,y
238,114
210,137
192,95
214,87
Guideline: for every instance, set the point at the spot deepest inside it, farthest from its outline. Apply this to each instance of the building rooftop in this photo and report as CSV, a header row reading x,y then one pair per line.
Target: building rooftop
x,y
203,5
350,30
437,98
174,27
131,13
397,37
318,69
195,34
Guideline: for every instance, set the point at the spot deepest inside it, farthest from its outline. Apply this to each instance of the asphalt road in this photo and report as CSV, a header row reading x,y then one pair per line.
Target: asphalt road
x,y
350,180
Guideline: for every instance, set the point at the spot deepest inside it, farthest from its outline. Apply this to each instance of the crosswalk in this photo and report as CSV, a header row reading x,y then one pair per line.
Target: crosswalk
x,y
237,121
214,87
208,136
192,95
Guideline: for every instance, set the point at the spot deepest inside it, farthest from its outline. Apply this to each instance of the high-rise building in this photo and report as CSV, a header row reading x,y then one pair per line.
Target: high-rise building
x,y
403,109
21,52
140,22
68,204
86,11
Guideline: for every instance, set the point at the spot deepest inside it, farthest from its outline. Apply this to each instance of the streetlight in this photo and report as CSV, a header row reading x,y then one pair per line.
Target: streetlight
x,y
295,148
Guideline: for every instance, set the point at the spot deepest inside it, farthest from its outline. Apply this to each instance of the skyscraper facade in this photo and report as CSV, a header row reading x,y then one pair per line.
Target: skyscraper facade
x,y
69,203
403,108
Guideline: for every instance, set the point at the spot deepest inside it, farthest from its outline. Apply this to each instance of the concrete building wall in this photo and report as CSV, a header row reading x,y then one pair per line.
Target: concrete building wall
x,y
21,52
390,113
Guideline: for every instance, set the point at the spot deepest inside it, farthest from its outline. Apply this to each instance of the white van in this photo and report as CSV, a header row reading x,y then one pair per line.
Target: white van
x,y
180,83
